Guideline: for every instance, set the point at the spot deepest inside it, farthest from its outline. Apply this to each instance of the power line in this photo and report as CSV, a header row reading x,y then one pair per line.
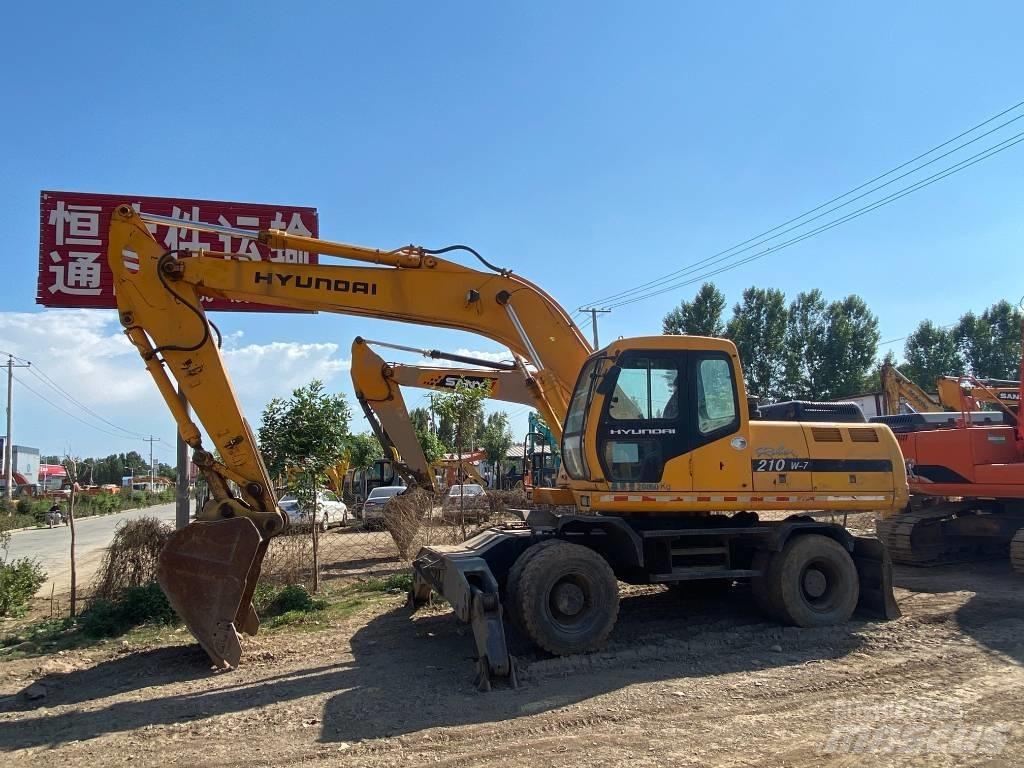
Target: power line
x,y
728,251
69,413
43,377
909,189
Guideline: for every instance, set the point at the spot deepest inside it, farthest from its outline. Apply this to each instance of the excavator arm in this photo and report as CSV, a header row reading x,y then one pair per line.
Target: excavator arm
x,y
378,387
210,568
897,388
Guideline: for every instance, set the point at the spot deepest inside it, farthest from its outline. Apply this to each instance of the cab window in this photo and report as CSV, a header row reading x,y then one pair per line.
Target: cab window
x,y
643,424
647,389
716,395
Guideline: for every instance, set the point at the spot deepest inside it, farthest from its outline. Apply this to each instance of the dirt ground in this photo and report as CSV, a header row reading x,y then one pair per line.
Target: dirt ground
x,y
684,682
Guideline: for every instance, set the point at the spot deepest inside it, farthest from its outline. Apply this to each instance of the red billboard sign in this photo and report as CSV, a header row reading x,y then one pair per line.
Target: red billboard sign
x,y
73,269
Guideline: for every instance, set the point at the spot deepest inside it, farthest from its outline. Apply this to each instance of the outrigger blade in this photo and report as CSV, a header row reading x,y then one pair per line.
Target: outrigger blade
x,y
874,569
208,570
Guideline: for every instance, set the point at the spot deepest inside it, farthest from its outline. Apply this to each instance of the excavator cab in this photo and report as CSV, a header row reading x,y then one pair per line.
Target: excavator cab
x,y
643,409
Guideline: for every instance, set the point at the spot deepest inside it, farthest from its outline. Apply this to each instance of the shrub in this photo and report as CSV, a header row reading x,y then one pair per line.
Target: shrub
x,y
136,605
403,515
19,580
131,559
292,598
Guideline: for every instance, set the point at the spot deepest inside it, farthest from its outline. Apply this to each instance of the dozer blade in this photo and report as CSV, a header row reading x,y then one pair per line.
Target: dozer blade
x,y
208,570
874,570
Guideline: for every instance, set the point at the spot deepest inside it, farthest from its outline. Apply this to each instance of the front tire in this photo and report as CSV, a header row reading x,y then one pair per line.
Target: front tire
x,y
568,598
813,582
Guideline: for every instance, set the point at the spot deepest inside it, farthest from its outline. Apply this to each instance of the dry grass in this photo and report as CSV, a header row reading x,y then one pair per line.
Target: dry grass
x,y
404,515
131,558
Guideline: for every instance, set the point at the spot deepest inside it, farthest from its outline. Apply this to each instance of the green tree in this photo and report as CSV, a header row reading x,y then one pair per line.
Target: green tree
x,y
700,317
990,344
363,450
931,351
497,439
463,408
429,442
851,343
758,328
309,432
806,331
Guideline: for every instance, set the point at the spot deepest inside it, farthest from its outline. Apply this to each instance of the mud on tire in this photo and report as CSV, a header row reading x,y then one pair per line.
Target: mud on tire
x,y
568,598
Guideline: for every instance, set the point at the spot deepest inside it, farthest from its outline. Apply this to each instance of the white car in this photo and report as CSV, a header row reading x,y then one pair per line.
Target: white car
x,y
330,510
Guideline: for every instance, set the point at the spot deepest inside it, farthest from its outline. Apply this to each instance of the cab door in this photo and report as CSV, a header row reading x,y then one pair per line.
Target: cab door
x,y
720,445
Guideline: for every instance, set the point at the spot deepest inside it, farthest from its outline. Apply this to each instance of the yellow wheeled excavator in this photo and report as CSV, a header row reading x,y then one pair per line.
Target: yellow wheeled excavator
x,y
665,461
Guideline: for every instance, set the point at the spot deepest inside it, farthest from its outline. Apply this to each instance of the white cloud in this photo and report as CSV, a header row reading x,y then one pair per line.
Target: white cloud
x,y
86,354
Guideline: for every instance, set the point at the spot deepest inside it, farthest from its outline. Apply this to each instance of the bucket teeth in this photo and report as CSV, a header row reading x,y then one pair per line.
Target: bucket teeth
x,y
208,570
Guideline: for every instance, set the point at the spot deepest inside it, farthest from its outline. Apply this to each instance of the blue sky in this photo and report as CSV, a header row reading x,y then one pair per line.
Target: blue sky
x,y
589,146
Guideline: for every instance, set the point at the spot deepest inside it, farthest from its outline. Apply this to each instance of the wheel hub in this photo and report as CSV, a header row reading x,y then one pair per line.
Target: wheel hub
x,y
815,583
568,599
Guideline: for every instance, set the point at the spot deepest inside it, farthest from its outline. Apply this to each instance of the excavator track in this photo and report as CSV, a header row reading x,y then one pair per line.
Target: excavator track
x,y
1017,552
951,532
915,538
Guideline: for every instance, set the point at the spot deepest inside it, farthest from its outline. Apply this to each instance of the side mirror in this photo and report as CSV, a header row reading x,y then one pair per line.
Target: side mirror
x,y
607,382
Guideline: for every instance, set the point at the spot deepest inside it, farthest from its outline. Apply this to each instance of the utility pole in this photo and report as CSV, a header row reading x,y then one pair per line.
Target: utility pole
x,y
8,447
594,311
152,469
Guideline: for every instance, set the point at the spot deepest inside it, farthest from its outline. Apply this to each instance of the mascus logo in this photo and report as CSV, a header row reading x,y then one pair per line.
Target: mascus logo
x,y
317,283
641,431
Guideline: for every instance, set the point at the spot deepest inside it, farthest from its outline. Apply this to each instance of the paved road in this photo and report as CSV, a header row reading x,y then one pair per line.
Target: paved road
x,y
52,547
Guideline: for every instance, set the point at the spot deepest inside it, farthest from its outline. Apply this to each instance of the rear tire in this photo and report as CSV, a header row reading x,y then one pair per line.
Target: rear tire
x,y
813,582
568,598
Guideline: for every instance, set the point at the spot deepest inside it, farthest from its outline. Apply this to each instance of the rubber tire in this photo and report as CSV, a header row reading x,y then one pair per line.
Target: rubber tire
x,y
515,576
786,591
764,561
542,572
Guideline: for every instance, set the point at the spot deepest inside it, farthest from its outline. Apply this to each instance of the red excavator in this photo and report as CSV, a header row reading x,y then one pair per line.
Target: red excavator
x,y
966,474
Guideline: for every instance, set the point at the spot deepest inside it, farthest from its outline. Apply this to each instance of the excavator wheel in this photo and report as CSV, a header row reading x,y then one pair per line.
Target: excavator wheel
x,y
813,582
568,598
1017,551
515,576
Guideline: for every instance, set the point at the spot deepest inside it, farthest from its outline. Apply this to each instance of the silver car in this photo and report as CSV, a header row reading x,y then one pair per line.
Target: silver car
x,y
373,507
330,511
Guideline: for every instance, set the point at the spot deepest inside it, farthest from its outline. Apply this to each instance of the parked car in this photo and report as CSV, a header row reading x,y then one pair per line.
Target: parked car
x,y
373,507
465,503
330,510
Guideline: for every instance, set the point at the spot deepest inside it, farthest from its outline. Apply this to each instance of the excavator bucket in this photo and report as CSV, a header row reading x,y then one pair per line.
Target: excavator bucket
x,y
208,570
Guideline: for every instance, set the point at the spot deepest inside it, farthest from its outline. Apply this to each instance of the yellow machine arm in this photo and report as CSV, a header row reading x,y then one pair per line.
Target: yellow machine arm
x,y
896,388
956,391
378,387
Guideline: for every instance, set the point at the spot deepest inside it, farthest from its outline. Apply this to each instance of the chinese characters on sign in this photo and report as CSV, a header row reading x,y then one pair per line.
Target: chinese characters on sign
x,y
73,226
